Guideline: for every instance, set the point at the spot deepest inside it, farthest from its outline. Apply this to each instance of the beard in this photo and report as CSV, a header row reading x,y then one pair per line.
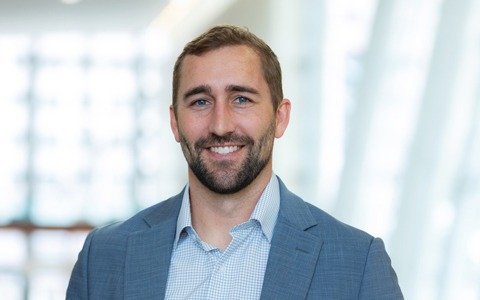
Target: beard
x,y
223,177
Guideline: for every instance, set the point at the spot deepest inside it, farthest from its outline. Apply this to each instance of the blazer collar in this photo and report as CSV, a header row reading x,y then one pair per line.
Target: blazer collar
x,y
294,251
291,263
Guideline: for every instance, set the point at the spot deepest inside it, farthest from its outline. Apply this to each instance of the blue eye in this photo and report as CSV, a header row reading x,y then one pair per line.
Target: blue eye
x,y
242,100
200,102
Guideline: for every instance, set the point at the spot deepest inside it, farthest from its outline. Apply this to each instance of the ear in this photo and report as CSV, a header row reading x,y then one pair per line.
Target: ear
x,y
173,124
283,117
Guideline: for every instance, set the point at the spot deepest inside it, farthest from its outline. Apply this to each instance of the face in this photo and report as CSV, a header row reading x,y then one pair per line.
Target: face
x,y
225,120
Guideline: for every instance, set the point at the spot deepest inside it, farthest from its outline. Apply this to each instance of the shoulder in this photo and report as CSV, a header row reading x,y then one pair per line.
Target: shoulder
x,y
104,252
357,260
316,221
161,212
329,228
101,263
353,264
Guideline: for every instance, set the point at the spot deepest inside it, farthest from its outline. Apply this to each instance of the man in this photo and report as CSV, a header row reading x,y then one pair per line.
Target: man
x,y
235,231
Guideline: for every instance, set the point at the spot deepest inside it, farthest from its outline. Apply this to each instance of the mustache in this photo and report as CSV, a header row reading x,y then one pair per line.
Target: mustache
x,y
213,139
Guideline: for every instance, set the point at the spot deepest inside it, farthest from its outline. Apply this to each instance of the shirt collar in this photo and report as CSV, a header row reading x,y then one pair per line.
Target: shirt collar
x,y
265,211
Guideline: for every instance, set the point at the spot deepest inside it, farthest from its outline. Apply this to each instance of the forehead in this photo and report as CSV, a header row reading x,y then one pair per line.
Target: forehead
x,y
229,63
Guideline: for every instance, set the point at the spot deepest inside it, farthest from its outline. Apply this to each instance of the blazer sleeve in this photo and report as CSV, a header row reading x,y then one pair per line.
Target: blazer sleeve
x,y
78,285
379,279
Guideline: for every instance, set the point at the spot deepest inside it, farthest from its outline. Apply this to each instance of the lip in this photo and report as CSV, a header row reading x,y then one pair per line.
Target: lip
x,y
225,145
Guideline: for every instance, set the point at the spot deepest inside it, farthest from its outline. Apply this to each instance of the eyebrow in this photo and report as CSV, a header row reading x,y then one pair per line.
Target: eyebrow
x,y
198,90
230,88
239,88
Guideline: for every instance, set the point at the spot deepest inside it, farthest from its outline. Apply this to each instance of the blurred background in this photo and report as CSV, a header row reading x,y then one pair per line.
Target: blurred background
x,y
384,133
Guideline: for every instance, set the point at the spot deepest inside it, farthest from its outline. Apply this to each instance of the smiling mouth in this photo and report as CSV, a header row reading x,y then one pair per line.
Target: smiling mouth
x,y
225,150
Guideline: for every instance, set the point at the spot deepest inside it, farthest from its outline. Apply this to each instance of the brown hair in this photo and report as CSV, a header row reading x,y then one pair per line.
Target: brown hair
x,y
227,35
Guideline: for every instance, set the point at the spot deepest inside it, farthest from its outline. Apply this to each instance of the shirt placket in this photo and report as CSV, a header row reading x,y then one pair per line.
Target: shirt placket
x,y
222,276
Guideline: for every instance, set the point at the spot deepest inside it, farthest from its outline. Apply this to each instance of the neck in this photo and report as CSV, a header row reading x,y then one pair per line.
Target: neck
x,y
213,214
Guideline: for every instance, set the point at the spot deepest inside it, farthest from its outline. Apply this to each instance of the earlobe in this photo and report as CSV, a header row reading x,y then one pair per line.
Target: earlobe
x,y
283,117
173,124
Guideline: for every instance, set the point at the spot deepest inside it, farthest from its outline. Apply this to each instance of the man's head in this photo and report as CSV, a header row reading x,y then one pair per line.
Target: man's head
x,y
224,119
227,35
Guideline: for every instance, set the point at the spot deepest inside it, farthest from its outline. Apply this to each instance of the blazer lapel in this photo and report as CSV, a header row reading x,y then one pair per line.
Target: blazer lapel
x,y
291,262
293,252
149,251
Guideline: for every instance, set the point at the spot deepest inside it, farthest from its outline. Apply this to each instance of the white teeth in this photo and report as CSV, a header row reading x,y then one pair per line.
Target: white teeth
x,y
224,150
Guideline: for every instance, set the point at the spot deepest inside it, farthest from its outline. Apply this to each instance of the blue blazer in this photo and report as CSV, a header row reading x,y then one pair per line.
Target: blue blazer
x,y
312,256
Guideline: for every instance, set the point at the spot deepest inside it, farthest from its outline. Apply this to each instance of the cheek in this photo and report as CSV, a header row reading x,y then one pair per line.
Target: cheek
x,y
191,128
259,124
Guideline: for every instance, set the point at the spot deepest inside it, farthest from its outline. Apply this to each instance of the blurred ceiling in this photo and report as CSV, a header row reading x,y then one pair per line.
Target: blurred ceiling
x,y
36,16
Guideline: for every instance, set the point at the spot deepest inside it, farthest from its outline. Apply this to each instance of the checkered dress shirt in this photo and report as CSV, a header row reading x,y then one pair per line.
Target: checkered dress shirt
x,y
201,271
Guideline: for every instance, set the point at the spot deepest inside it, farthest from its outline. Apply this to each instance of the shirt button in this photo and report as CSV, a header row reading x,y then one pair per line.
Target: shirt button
x,y
222,269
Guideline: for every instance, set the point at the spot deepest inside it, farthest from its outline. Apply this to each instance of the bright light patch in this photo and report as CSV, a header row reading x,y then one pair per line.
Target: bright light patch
x,y
156,44
107,47
110,85
60,83
48,283
151,83
16,76
13,252
70,1
12,286
13,48
473,247
62,46
443,216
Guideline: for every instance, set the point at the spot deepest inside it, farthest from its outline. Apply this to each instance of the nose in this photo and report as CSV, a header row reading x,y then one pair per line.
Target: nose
x,y
222,121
